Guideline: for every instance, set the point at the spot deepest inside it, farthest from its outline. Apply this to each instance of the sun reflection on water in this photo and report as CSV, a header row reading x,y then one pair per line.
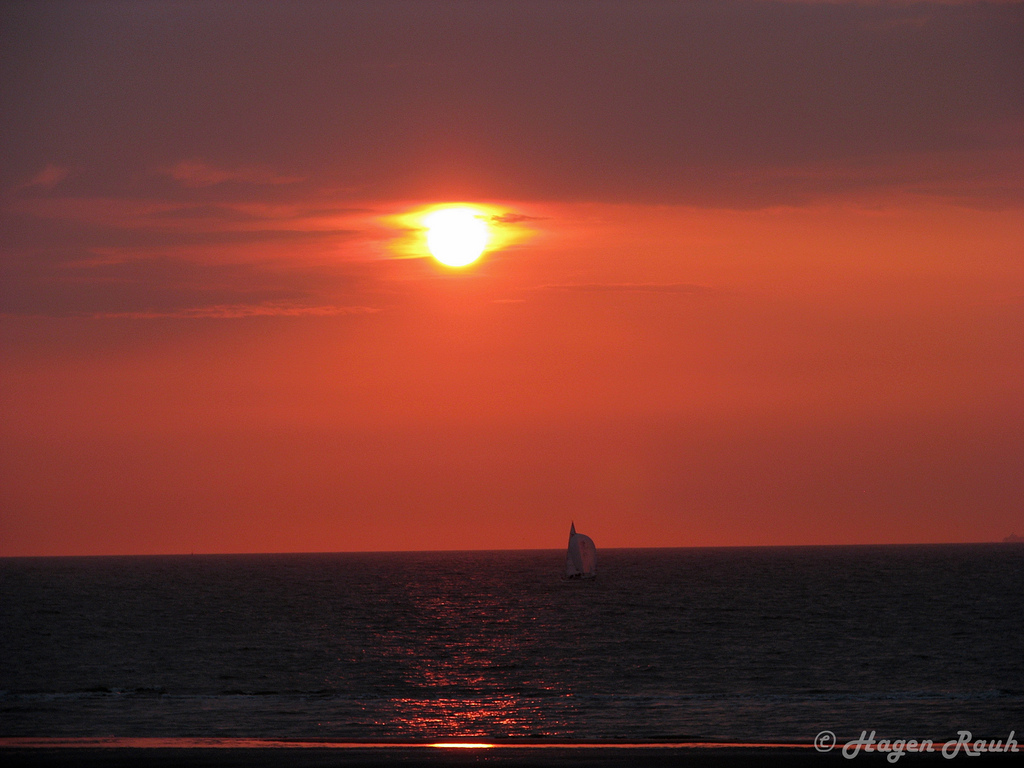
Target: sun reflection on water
x,y
458,718
461,745
470,665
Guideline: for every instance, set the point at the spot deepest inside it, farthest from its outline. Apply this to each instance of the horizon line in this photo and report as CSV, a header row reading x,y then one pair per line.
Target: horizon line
x,y
523,549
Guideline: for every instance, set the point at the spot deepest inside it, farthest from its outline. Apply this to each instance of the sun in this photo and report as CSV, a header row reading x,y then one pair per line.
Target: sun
x,y
456,236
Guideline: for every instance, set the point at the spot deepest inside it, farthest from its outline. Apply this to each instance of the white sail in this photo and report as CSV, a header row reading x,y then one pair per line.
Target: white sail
x,y
581,559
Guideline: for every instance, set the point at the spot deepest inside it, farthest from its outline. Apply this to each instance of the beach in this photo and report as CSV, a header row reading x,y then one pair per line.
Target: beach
x,y
508,756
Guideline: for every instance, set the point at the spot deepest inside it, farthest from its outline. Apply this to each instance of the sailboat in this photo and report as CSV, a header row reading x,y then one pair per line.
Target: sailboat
x,y
581,559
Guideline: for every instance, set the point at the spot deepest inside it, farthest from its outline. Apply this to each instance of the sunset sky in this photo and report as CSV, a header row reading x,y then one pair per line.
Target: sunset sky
x,y
756,275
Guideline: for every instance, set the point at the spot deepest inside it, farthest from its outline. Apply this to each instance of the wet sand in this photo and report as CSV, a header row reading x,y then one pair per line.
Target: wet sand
x,y
506,756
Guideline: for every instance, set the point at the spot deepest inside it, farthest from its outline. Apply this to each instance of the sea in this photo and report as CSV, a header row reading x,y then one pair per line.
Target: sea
x,y
732,645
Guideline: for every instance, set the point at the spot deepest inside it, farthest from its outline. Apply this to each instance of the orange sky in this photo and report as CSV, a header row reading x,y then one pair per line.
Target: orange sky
x,y
759,281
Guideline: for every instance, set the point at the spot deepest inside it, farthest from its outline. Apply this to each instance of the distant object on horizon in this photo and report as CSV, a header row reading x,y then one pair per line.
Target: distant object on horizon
x,y
1011,539
581,559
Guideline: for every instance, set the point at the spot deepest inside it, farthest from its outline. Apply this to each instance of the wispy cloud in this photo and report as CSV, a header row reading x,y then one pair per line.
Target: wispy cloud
x,y
82,284
513,218
206,212
196,173
681,288
139,234
234,311
49,177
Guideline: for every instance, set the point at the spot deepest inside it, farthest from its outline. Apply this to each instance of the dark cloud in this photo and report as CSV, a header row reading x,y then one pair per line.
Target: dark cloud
x,y
640,102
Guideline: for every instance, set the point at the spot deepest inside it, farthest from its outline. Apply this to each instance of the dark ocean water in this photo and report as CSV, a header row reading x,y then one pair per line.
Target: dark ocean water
x,y
771,644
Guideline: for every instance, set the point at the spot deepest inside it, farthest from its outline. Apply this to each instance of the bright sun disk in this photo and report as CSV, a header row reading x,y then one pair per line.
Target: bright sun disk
x,y
456,236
